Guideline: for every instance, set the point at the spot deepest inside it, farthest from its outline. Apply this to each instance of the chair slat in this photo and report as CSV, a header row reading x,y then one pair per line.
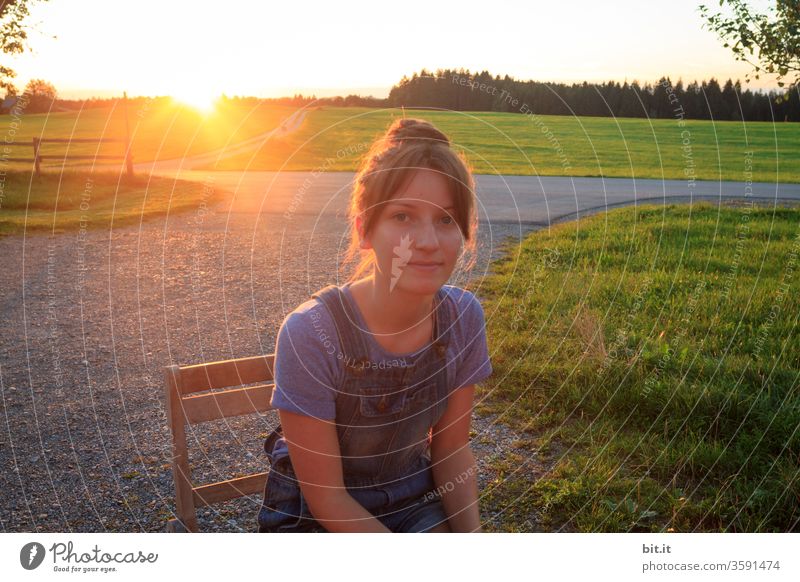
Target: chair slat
x,y
226,373
185,406
181,471
227,403
231,489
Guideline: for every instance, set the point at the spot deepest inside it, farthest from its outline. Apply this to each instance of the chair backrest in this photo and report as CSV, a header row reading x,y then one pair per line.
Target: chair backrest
x,y
185,406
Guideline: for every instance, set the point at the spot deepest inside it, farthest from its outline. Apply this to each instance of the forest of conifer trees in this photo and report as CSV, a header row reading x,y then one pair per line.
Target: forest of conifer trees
x,y
464,91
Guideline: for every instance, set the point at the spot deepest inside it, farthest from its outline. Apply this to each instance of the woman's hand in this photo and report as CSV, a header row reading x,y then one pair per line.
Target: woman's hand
x,y
316,459
455,472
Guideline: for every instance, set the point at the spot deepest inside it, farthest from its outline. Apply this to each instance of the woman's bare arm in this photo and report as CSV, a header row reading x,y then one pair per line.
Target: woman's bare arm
x,y
454,470
316,459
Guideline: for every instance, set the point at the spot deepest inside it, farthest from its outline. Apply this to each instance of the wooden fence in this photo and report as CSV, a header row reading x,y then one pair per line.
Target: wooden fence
x,y
38,157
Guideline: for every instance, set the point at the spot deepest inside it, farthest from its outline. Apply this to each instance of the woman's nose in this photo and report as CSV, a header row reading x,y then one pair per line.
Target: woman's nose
x,y
425,236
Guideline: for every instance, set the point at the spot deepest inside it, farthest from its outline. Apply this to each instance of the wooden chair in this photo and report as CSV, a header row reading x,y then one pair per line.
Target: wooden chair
x,y
185,406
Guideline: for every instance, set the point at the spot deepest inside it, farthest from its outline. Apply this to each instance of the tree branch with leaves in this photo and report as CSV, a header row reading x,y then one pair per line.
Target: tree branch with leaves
x,y
769,42
13,35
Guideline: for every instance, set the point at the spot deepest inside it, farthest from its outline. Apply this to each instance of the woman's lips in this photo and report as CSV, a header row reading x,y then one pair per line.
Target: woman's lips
x,y
425,266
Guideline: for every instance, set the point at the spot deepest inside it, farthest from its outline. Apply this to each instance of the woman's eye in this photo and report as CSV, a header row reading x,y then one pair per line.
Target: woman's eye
x,y
447,219
403,214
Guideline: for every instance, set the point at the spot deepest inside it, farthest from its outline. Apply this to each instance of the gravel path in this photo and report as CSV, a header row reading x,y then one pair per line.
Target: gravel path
x,y
84,444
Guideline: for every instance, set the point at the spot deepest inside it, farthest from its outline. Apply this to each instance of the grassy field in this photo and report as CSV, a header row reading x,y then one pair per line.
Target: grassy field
x,y
159,131
652,356
69,201
334,139
508,143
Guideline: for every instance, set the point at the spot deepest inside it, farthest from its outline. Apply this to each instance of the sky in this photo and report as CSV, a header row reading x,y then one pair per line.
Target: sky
x,y
269,49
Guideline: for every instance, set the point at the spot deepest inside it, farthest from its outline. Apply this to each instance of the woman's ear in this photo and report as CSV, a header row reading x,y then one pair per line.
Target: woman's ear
x,y
364,244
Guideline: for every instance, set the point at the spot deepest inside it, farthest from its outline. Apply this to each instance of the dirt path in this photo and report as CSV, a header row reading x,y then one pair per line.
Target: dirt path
x,y
176,165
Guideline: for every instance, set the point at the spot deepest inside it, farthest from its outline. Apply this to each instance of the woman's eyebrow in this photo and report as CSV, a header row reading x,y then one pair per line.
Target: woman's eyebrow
x,y
407,205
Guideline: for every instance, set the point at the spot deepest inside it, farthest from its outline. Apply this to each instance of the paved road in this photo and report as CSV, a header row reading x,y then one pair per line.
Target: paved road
x,y
527,200
289,125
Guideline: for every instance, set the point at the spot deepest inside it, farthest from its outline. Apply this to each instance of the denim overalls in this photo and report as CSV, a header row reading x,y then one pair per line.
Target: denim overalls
x,y
383,417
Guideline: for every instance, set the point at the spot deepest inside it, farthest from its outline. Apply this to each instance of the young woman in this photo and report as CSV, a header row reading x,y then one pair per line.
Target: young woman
x,y
374,379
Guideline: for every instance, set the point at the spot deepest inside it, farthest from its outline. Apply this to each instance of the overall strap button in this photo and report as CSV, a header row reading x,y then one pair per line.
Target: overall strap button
x,y
357,367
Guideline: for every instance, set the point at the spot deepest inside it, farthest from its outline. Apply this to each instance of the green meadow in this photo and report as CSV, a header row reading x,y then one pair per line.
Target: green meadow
x,y
651,357
334,139
509,143
159,130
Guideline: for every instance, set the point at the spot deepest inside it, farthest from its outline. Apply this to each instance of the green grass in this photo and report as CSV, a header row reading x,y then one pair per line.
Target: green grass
x,y
652,354
69,201
334,139
159,130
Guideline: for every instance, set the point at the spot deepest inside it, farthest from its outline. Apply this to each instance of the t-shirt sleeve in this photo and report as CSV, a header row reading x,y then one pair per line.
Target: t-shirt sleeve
x,y
305,371
474,364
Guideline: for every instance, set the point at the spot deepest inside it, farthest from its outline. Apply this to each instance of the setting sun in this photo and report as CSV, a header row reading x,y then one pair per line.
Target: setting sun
x,y
203,102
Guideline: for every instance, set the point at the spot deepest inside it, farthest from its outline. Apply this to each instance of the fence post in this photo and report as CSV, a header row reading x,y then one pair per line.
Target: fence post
x,y
36,156
129,160
128,154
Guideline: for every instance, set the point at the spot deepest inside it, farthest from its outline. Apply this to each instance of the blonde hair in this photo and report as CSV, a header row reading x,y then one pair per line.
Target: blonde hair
x,y
407,146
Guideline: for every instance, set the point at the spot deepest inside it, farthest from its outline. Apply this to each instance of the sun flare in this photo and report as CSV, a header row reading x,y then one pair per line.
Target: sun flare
x,y
204,102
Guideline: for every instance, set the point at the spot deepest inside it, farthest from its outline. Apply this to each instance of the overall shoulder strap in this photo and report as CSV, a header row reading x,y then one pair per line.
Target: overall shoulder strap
x,y
444,321
351,339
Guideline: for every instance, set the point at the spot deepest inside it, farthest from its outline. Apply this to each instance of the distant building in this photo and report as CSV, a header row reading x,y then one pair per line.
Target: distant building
x,y
8,103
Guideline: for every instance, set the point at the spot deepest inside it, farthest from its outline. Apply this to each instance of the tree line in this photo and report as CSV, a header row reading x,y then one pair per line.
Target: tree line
x,y
462,90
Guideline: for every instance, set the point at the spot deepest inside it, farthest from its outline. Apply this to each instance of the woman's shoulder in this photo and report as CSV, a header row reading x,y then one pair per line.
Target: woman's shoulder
x,y
466,313
307,339
308,320
306,366
310,331
464,301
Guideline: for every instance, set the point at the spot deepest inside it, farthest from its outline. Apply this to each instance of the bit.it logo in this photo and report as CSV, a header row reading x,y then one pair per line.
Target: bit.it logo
x,y
402,254
31,555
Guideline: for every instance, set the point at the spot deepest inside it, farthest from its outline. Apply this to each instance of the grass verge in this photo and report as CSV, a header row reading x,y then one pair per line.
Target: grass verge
x,y
655,350
71,200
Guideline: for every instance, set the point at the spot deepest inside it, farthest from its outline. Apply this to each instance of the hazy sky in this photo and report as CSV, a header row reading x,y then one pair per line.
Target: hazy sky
x,y
166,47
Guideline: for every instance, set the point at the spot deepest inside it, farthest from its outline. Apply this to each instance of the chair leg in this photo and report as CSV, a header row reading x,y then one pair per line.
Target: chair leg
x,y
175,526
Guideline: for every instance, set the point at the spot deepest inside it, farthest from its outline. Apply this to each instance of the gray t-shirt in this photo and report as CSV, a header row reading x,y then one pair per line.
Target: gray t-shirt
x,y
309,363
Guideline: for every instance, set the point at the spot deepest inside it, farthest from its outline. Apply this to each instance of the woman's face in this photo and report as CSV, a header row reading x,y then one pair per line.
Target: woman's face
x,y
415,238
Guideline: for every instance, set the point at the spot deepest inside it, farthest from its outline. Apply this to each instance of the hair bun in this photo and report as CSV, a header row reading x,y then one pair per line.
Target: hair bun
x,y
406,129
